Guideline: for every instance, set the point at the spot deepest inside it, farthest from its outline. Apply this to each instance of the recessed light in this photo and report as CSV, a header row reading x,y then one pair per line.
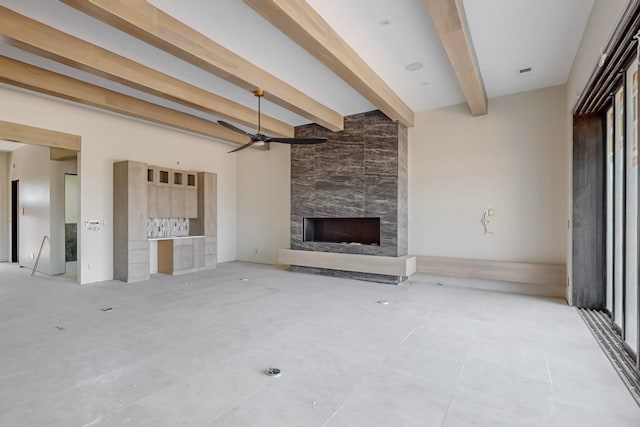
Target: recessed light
x,y
385,22
414,66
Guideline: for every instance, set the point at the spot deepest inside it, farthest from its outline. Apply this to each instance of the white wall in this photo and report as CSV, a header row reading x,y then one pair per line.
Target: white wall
x,y
602,22
512,160
30,165
264,197
107,138
5,207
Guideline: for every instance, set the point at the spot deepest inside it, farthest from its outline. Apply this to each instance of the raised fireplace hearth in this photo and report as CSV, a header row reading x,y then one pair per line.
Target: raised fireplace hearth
x,y
360,231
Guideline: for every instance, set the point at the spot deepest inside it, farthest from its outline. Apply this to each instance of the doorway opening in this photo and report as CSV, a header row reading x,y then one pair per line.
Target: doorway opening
x,y
38,161
15,215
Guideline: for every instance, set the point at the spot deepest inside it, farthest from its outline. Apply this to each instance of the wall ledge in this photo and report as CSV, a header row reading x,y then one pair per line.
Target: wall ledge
x,y
548,279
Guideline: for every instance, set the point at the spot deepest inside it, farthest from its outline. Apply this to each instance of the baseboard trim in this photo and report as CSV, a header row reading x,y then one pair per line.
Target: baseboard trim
x,y
550,277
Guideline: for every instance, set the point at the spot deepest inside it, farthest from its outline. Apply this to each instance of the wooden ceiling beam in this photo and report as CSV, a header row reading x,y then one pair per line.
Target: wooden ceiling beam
x,y
298,20
451,25
27,76
62,154
17,132
148,23
27,34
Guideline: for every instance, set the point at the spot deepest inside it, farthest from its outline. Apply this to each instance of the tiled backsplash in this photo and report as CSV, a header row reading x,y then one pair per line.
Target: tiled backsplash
x,y
167,227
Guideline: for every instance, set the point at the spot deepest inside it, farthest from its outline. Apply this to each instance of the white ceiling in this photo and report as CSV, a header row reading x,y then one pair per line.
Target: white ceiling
x,y
508,35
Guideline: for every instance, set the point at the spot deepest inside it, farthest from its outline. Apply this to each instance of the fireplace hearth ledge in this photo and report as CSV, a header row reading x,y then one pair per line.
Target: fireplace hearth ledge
x,y
400,267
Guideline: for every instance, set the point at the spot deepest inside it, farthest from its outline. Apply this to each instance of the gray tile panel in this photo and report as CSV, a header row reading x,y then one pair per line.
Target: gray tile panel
x,y
359,172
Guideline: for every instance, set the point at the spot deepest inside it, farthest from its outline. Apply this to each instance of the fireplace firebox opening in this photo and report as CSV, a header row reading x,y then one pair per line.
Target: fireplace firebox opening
x,y
364,231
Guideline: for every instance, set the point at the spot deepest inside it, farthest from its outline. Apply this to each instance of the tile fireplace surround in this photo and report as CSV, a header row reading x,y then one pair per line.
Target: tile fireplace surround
x,y
360,172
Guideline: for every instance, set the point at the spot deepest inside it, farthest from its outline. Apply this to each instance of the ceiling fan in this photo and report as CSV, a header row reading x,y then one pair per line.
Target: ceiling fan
x,y
260,139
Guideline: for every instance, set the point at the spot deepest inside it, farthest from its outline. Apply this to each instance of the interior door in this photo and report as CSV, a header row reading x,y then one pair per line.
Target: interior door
x,y
631,208
618,211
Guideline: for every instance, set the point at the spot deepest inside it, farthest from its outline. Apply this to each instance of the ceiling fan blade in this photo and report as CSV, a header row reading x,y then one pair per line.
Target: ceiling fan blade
x,y
242,147
235,129
296,140
260,137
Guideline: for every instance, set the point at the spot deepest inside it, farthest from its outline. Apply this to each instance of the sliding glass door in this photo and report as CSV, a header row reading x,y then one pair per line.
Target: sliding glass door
x,y
630,321
609,204
618,211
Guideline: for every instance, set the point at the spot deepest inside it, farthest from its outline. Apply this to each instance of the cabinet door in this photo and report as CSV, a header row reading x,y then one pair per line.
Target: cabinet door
x,y
152,202
198,253
178,202
177,194
163,202
191,195
163,193
191,203
152,177
182,254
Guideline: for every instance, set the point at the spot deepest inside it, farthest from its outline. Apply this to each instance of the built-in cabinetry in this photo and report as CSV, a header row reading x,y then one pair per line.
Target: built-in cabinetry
x,y
206,223
142,192
130,244
171,193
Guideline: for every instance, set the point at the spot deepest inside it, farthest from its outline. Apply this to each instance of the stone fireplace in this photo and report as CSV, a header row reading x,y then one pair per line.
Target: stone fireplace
x,y
349,196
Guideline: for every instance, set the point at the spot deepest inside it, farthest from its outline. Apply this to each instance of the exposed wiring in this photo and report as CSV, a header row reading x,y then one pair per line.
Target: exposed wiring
x,y
485,221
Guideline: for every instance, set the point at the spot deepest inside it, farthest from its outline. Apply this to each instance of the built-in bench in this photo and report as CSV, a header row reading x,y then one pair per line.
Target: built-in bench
x,y
520,277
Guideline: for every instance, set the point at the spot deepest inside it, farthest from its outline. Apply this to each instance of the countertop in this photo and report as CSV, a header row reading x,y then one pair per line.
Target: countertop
x,y
175,237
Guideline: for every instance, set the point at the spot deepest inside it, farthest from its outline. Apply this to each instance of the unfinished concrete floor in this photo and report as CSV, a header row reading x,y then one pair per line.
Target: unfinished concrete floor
x,y
192,350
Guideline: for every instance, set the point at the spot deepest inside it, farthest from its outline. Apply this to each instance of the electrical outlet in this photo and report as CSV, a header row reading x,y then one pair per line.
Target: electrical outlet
x,y
255,251
88,266
32,255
